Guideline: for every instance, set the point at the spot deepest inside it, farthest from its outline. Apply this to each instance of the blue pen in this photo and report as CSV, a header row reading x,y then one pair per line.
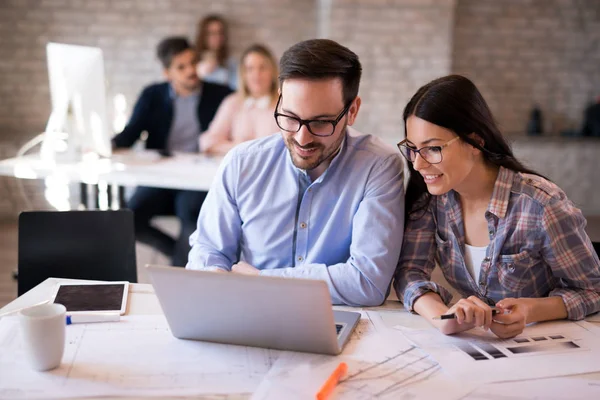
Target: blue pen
x,y
92,318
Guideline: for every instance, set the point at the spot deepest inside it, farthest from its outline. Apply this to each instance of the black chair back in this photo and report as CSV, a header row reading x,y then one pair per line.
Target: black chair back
x,y
98,245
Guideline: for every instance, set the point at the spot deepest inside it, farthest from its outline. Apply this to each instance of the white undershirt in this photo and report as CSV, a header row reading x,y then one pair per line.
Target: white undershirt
x,y
473,258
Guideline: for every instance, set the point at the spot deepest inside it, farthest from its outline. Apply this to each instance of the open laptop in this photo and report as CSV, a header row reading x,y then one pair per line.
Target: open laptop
x,y
276,313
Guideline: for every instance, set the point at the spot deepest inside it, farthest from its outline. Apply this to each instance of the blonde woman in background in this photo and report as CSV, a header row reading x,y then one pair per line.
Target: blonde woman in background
x,y
212,45
248,113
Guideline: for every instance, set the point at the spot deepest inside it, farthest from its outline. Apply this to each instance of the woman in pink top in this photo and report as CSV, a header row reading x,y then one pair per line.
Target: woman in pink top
x,y
248,113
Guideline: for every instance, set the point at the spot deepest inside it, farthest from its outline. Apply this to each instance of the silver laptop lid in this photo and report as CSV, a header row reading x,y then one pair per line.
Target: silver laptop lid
x,y
278,313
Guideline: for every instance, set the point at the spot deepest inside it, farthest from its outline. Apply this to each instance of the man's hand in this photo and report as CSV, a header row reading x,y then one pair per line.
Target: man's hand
x,y
513,318
244,268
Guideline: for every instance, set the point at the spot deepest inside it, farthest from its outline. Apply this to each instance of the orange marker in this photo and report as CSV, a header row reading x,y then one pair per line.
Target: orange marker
x,y
332,381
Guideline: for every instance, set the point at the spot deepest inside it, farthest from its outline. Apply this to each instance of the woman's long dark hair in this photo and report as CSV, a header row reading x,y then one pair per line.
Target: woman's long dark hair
x,y
453,102
202,33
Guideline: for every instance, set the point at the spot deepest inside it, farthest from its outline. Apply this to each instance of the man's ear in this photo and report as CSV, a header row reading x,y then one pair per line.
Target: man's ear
x,y
165,72
353,110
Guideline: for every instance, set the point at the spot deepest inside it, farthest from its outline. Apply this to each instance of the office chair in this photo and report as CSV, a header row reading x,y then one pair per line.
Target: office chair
x,y
97,245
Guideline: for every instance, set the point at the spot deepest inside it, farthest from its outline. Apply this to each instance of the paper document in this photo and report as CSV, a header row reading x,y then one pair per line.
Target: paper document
x,y
565,388
593,318
543,350
381,365
137,356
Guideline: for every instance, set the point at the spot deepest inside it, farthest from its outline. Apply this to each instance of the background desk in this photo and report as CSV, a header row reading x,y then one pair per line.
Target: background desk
x,y
124,168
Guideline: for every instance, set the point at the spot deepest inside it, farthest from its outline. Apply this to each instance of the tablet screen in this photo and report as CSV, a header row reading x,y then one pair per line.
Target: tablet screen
x,y
105,297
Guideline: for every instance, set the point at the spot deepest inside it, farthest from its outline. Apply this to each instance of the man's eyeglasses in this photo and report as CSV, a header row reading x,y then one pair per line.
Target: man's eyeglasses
x,y
317,127
431,154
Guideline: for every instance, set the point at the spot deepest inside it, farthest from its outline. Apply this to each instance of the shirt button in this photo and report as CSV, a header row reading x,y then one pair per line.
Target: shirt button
x,y
300,258
302,225
310,189
491,234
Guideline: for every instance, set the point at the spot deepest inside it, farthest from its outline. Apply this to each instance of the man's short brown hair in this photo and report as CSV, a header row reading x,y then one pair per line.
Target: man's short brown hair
x,y
170,47
322,59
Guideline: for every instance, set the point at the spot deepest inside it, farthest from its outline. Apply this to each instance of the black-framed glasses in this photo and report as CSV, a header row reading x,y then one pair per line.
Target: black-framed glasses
x,y
431,154
317,127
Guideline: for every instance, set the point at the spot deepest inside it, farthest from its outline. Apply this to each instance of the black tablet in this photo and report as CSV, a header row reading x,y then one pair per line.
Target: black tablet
x,y
92,297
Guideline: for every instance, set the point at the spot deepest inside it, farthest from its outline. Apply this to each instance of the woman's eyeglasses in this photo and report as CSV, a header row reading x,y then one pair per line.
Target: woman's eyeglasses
x,y
431,154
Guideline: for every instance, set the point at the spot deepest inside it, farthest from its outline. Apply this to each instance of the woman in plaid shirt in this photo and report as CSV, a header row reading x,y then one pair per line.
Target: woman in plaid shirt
x,y
504,236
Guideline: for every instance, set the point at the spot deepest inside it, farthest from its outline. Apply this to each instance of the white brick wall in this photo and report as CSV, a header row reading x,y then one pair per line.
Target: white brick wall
x,y
573,167
128,32
518,51
402,44
526,52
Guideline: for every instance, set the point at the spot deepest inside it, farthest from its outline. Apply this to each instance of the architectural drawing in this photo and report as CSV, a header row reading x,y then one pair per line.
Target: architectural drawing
x,y
543,350
384,367
562,388
137,356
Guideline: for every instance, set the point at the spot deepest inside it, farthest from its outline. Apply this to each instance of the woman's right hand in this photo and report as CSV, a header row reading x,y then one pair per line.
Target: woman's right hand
x,y
471,312
207,65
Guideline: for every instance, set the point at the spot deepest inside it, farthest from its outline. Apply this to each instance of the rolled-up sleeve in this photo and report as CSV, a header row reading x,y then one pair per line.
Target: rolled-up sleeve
x,y
417,260
568,251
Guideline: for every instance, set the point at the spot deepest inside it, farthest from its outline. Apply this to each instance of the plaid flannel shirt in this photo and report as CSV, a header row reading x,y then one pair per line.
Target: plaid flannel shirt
x,y
538,247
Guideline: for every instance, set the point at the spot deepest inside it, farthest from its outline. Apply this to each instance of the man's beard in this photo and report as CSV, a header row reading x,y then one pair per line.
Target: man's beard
x,y
326,153
190,83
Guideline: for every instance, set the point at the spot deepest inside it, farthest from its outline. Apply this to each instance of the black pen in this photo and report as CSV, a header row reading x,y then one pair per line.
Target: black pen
x,y
495,311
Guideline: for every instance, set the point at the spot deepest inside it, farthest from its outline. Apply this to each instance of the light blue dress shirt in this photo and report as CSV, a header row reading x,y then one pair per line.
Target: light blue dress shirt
x,y
345,228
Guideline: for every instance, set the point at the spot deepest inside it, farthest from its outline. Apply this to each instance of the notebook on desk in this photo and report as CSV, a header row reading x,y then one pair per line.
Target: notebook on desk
x,y
276,313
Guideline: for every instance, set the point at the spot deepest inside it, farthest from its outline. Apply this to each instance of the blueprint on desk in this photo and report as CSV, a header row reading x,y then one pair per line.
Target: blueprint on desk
x,y
381,365
137,356
543,350
562,388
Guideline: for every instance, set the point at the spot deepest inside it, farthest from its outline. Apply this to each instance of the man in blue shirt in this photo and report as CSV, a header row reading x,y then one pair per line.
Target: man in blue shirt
x,y
319,200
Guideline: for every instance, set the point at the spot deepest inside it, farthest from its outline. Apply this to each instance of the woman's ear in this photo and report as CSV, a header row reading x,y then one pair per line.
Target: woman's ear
x,y
477,139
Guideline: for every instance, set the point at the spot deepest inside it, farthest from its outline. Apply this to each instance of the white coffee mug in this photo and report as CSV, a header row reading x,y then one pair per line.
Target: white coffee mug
x,y
43,333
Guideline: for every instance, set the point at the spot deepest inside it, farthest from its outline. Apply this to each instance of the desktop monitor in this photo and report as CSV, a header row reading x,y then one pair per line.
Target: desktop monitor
x,y
78,122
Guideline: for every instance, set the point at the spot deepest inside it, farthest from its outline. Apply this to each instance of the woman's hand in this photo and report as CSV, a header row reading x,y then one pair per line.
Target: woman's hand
x,y
207,65
469,312
512,318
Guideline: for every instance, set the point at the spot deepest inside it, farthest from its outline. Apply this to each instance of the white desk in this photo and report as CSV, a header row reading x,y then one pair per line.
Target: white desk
x,y
142,300
125,168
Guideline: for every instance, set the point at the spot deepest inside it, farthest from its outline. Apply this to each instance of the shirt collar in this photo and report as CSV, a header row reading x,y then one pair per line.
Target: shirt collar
x,y
261,102
501,194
